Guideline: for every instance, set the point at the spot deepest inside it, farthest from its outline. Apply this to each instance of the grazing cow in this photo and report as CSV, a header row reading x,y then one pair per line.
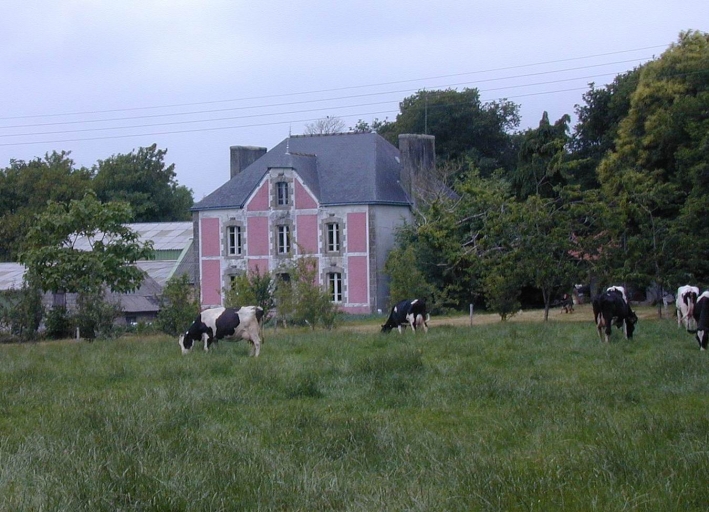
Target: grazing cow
x,y
567,304
701,317
214,324
685,301
411,312
611,307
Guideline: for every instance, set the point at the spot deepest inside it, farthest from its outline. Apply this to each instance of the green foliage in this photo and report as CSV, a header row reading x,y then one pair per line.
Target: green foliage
x,y
597,128
25,188
179,306
55,263
464,127
300,300
21,310
541,156
58,323
251,289
143,180
406,280
652,176
95,315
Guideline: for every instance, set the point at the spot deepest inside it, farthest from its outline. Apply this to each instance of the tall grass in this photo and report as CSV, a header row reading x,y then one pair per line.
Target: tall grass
x,y
506,416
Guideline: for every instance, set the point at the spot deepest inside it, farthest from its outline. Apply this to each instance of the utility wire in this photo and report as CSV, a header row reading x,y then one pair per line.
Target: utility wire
x,y
336,89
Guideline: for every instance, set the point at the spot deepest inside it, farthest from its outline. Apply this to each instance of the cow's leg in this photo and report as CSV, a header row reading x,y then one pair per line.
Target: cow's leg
x,y
599,326
255,346
702,338
205,341
424,324
399,327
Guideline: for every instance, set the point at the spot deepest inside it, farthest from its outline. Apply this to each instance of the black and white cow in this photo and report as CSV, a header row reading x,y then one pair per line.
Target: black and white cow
x,y
408,312
612,307
701,317
685,301
214,324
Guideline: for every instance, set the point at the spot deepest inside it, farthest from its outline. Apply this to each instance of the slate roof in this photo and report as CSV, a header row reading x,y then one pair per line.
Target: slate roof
x,y
340,169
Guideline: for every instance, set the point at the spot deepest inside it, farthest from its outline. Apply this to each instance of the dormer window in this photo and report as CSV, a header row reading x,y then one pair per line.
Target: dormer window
x,y
282,194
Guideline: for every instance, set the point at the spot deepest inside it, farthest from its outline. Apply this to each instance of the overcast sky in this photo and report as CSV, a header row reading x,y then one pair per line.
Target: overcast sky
x,y
105,77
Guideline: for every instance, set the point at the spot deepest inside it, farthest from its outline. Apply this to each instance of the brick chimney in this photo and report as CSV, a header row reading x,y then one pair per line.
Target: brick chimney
x,y
243,156
418,163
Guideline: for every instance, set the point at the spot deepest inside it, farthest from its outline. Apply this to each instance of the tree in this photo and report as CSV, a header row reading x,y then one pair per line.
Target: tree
x,y
325,126
25,188
143,179
53,260
541,157
21,310
660,158
597,128
301,299
178,306
251,289
464,127
406,280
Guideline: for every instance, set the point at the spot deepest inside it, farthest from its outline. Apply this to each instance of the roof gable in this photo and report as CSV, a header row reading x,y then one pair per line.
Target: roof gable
x,y
351,168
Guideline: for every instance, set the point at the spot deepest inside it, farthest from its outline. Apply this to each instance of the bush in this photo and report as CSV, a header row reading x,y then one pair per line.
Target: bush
x,y
95,315
21,310
58,323
178,306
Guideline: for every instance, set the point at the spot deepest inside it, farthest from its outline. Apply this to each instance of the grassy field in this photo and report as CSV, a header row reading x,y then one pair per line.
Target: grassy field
x,y
508,416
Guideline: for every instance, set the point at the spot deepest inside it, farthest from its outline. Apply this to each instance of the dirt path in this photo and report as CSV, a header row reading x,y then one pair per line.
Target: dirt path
x,y
582,313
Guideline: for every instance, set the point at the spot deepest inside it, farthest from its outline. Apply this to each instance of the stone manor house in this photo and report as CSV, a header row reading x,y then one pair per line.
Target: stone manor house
x,y
338,198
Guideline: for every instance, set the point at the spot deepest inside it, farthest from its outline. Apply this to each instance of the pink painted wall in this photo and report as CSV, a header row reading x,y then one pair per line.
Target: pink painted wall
x,y
356,310
259,201
209,234
211,283
260,264
257,236
307,232
356,232
357,279
303,199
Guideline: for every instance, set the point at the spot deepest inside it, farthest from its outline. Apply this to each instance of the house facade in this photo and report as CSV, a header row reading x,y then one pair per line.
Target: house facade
x,y
337,198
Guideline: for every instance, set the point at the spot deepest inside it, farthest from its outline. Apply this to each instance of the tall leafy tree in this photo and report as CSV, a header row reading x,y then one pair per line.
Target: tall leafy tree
x,y
463,125
54,261
597,128
659,160
25,188
541,159
144,180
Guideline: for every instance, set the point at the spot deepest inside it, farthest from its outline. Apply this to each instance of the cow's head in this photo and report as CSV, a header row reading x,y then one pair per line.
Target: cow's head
x,y
630,322
387,327
186,342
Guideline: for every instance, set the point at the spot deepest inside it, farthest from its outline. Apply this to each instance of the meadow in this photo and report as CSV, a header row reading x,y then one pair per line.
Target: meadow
x,y
513,416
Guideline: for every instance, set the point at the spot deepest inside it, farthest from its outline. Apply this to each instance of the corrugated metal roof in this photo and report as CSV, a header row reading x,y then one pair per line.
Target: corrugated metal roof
x,y
11,275
164,235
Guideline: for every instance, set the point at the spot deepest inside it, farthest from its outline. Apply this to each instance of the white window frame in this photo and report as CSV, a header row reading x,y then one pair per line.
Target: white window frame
x,y
282,193
283,242
334,282
334,238
235,240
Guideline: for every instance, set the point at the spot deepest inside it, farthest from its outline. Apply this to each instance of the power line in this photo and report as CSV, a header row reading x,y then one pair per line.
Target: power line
x,y
253,125
336,89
